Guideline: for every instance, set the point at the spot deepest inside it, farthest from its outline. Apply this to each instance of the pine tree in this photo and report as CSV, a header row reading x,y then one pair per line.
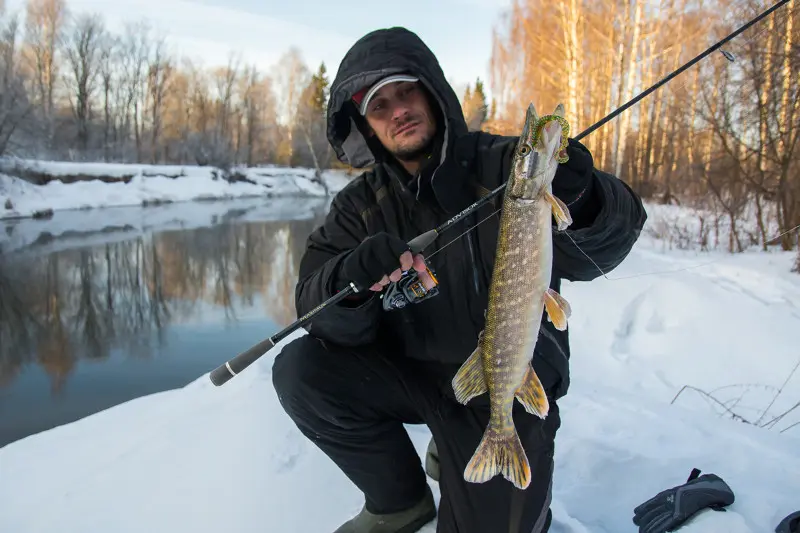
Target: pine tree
x,y
319,94
310,142
474,106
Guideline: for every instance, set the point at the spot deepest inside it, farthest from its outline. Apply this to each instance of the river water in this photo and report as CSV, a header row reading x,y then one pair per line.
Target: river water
x,y
103,306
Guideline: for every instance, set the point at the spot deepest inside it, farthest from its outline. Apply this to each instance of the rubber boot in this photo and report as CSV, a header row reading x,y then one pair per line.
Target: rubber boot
x,y
432,461
409,521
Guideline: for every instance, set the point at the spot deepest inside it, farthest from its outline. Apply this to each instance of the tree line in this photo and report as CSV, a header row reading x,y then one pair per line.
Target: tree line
x,y
70,89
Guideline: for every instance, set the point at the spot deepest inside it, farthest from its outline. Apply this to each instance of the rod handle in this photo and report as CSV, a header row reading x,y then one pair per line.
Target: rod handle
x,y
224,372
420,242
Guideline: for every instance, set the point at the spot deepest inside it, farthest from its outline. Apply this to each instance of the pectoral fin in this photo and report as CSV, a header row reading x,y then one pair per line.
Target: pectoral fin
x,y
531,394
470,381
560,211
558,309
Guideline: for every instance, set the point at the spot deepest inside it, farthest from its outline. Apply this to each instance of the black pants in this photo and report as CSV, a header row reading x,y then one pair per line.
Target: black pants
x,y
352,404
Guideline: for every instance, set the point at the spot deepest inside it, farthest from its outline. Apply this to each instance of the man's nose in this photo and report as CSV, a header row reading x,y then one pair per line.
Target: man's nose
x,y
399,110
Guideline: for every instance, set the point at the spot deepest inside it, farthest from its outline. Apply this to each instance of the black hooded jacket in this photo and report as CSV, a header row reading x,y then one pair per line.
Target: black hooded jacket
x,y
608,218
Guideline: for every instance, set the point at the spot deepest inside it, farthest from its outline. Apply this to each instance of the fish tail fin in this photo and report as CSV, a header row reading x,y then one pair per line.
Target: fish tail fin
x,y
499,452
470,380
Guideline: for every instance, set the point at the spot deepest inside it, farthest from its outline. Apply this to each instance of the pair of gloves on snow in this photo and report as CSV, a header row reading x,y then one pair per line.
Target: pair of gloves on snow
x,y
670,509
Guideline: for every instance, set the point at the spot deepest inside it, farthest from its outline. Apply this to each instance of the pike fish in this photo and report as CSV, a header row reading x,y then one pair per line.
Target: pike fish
x,y
519,293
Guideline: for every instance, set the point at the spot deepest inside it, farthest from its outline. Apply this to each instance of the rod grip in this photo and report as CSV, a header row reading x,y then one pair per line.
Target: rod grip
x,y
224,372
420,242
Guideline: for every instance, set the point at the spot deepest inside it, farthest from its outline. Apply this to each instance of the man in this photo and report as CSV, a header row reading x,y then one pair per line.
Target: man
x,y
362,372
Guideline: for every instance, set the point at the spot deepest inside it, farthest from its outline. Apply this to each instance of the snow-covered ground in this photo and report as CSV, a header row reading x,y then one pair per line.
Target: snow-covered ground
x,y
206,459
148,184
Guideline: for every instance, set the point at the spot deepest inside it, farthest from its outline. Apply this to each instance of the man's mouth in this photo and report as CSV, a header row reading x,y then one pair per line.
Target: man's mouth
x,y
405,128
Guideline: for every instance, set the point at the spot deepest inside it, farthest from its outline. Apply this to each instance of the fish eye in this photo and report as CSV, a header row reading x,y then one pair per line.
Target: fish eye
x,y
524,149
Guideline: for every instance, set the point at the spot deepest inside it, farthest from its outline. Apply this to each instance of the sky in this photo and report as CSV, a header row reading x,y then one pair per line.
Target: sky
x,y
458,31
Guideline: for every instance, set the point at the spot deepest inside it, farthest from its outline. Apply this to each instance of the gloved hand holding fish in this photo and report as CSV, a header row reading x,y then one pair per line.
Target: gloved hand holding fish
x,y
519,293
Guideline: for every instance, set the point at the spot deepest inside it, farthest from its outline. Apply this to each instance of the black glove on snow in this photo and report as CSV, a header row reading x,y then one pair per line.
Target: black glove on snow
x,y
790,524
669,509
377,256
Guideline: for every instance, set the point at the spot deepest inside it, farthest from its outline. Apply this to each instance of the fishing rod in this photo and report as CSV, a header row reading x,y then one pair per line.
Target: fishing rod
x,y
223,373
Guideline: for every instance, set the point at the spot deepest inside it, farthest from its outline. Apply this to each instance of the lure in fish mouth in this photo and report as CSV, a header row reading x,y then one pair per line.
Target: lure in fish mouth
x,y
518,296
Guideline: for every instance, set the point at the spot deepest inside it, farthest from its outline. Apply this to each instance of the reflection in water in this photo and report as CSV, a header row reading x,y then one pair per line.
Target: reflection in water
x,y
122,299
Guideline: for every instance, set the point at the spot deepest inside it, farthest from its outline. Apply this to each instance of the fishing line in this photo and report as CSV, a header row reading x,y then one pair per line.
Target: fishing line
x,y
680,70
464,233
731,58
747,40
665,271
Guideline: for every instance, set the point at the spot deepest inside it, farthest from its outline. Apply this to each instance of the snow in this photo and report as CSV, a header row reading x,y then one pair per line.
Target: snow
x,y
206,459
69,228
148,184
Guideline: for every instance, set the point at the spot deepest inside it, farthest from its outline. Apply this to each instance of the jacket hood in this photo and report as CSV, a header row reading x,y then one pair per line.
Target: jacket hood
x,y
376,55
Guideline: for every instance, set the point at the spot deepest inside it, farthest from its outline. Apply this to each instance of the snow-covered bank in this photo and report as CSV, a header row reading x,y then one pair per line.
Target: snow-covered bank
x,y
68,228
86,186
172,461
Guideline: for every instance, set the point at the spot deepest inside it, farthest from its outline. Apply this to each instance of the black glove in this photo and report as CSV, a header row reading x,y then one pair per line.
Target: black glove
x,y
377,256
790,524
669,509
574,178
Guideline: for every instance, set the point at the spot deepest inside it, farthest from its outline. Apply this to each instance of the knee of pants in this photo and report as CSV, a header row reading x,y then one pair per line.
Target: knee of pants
x,y
295,369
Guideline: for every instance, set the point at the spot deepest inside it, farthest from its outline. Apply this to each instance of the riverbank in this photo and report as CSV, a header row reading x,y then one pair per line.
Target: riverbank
x,y
36,189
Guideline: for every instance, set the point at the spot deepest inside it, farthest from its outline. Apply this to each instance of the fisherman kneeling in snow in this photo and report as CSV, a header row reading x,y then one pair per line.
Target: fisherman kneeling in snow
x,y
363,372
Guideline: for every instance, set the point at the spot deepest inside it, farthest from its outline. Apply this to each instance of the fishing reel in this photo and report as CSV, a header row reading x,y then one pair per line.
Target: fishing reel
x,y
408,290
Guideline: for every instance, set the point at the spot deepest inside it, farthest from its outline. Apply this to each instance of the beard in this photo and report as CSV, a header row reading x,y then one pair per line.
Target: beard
x,y
414,150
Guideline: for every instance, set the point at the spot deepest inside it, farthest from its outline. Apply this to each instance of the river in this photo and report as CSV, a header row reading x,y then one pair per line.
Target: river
x,y
102,306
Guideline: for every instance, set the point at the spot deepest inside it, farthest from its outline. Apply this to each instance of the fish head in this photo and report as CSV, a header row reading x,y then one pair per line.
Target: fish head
x,y
536,156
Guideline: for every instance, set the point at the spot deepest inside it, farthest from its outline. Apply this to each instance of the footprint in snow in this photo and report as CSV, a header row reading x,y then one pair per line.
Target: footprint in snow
x,y
286,457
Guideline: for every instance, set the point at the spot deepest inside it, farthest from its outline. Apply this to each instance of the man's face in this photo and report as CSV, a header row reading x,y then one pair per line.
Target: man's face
x,y
401,117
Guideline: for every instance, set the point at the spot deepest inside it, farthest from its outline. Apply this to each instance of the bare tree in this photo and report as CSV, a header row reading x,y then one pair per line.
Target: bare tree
x,y
14,104
44,25
108,54
84,55
134,54
159,73
291,76
224,80
257,100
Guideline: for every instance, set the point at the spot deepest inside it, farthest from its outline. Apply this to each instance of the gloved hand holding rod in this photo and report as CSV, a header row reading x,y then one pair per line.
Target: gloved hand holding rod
x,y
226,371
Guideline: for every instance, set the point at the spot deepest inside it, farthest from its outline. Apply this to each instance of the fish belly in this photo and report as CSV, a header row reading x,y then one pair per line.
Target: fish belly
x,y
520,278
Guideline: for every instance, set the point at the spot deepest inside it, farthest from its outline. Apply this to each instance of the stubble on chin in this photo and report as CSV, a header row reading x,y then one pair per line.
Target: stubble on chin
x,y
413,150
